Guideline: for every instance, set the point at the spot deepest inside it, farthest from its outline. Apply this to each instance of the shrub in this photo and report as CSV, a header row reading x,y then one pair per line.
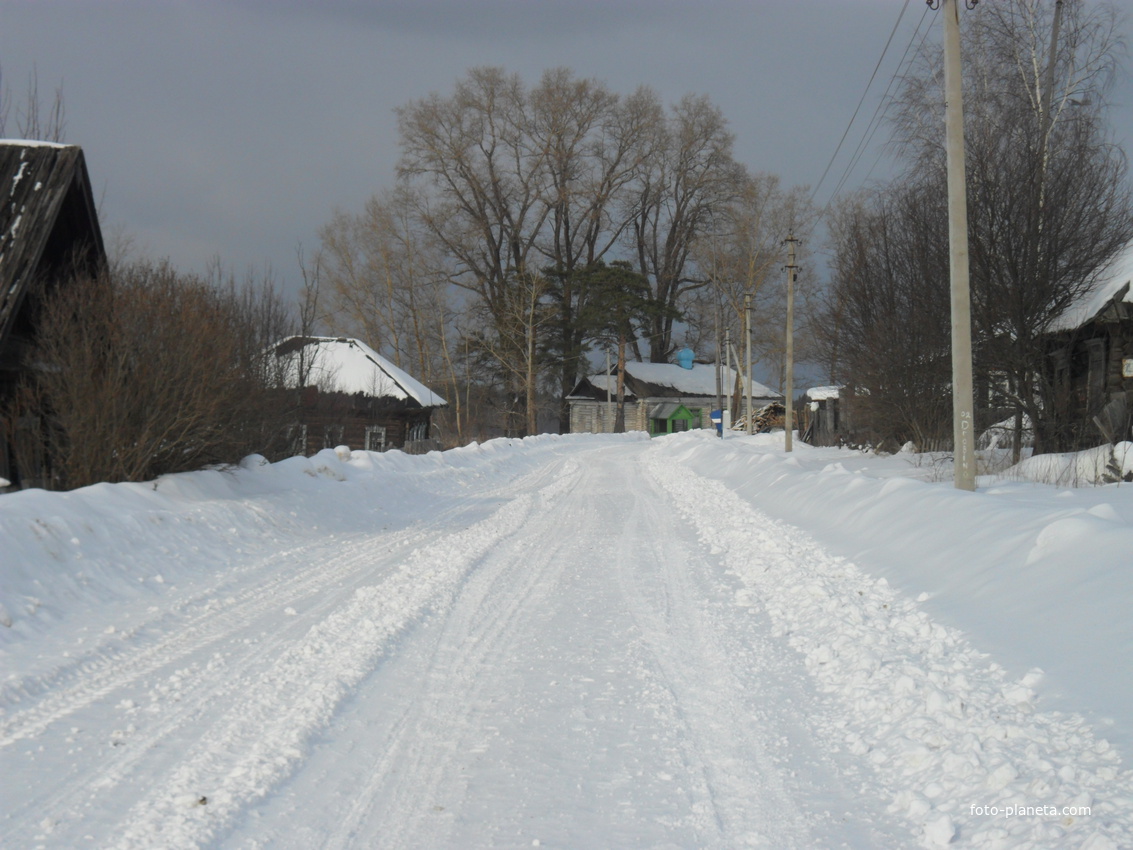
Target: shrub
x,y
144,371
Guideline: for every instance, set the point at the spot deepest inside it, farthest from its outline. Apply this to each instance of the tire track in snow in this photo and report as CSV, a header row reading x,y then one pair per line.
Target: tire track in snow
x,y
742,798
191,691
739,697
677,707
219,614
397,804
260,739
937,727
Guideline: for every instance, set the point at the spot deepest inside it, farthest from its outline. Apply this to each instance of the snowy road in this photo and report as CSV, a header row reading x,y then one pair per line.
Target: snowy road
x,y
597,649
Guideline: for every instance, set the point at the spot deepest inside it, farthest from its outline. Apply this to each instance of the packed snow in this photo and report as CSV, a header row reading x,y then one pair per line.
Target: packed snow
x,y
573,642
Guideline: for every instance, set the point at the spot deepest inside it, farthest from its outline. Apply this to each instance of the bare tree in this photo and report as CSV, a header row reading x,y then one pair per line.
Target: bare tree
x,y
596,143
887,314
33,119
507,191
388,282
743,254
1049,200
480,183
690,174
148,371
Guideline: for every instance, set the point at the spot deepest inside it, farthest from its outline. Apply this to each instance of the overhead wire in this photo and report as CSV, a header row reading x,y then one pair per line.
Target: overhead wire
x,y
879,113
857,109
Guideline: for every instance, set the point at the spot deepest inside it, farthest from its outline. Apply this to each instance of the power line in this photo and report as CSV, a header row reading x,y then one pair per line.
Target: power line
x,y
882,107
873,76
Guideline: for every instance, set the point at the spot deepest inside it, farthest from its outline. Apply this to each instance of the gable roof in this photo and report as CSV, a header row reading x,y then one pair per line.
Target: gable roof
x,y
669,409
668,380
340,364
47,220
1113,288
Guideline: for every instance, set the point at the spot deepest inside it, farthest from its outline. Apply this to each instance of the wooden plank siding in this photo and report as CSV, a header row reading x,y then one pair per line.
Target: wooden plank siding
x,y
325,420
49,232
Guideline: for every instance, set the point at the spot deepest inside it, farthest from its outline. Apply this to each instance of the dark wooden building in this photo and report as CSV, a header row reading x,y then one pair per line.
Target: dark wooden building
x,y
49,232
1090,363
348,394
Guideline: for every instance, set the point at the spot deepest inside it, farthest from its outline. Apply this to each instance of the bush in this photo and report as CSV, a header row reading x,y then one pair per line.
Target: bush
x,y
145,371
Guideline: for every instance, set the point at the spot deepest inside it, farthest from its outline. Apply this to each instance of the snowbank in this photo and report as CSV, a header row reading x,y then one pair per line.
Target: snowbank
x,y
1103,465
1038,576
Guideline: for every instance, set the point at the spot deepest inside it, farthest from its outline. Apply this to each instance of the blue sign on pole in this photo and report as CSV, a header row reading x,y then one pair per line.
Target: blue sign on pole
x,y
717,417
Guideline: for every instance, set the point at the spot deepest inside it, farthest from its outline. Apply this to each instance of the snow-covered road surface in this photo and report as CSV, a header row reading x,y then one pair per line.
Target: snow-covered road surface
x,y
584,645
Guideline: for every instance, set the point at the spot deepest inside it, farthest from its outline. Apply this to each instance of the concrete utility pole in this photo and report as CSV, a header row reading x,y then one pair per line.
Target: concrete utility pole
x,y
789,383
747,359
731,379
719,365
963,420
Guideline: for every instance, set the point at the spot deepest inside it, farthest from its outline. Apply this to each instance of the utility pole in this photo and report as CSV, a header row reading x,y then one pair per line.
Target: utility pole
x,y
747,359
731,378
963,420
607,422
719,377
789,388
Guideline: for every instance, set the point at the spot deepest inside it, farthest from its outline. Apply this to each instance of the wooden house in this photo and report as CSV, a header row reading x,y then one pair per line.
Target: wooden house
x,y
1090,363
349,394
655,395
49,232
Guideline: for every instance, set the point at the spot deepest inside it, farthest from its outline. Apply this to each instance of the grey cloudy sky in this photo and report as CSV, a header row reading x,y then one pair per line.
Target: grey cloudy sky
x,y
235,129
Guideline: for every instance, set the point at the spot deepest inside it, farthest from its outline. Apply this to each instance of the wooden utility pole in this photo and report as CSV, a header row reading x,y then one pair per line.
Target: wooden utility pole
x,y
963,420
609,374
789,382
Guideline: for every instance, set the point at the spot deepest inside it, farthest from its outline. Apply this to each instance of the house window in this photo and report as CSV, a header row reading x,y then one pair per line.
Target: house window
x,y
332,436
680,425
375,438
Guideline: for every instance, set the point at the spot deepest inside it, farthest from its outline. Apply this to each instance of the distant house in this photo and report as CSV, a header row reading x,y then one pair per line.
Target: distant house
x,y
48,232
1090,358
660,398
349,394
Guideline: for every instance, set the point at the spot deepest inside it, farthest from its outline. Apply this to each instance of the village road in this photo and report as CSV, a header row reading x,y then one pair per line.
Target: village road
x,y
558,661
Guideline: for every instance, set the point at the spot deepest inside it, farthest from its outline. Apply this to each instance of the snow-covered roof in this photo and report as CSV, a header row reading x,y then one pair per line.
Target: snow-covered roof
x,y
350,366
822,393
700,380
1119,274
34,143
